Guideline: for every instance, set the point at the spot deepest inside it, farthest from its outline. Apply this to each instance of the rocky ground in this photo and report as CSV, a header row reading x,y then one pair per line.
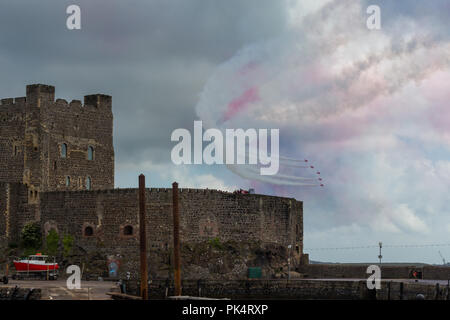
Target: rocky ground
x,y
227,261
58,290
207,260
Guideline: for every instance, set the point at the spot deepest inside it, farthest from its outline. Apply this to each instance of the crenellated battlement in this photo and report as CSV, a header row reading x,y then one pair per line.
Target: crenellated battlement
x,y
98,100
19,101
182,191
39,93
34,129
62,103
75,104
92,101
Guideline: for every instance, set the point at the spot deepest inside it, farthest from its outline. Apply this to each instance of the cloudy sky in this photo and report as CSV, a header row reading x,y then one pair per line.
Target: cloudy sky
x,y
369,108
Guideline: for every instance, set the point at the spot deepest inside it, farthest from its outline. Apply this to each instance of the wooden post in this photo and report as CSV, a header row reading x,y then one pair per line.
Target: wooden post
x,y
176,240
143,239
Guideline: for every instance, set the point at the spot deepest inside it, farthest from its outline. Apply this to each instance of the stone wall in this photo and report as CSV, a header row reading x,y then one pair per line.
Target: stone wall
x,y
436,272
14,211
12,132
4,214
33,130
294,289
330,271
79,127
222,233
205,216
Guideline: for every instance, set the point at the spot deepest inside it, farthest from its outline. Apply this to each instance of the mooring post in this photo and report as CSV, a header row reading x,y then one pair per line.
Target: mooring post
x,y
143,238
437,291
448,289
401,290
389,290
199,288
176,240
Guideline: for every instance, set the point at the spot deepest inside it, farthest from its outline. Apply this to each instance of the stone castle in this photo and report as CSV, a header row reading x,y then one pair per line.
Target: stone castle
x,y
57,169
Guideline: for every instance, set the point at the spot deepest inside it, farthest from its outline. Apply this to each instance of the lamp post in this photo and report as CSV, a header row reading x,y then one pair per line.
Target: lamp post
x,y
380,256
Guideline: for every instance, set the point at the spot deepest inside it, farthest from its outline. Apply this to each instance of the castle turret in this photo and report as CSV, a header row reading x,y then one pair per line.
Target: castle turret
x,y
98,100
53,145
36,93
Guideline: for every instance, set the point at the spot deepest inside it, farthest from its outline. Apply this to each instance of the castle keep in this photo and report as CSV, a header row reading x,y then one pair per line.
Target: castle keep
x,y
57,168
43,142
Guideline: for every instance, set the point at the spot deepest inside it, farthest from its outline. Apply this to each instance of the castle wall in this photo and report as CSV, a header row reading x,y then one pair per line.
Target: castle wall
x,y
34,187
204,215
12,131
79,127
252,230
15,211
3,212
33,129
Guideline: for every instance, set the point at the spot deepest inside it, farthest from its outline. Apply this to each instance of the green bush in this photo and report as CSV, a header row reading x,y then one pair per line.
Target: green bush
x,y
52,242
215,243
31,236
67,244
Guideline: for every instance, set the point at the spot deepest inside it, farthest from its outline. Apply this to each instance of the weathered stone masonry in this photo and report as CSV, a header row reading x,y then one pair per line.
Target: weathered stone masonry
x,y
33,130
34,187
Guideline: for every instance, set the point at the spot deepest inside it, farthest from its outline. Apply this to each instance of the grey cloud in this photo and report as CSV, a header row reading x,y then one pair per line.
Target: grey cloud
x,y
153,57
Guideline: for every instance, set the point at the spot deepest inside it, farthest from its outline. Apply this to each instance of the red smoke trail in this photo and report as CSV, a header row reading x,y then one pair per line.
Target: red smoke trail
x,y
238,104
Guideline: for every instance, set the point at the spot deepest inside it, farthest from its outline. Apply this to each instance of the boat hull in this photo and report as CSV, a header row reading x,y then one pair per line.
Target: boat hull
x,y
24,266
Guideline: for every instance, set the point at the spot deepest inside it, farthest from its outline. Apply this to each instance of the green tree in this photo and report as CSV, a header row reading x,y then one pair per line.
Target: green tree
x,y
67,244
31,236
52,242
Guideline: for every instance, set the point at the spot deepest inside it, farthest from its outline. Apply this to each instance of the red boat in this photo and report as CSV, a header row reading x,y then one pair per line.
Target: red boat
x,y
36,263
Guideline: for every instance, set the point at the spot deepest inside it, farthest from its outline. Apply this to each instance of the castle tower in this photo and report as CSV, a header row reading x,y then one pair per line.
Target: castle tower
x,y
53,145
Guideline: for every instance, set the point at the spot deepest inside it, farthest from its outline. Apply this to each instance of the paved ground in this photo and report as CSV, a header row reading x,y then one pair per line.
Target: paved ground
x,y
96,290
57,289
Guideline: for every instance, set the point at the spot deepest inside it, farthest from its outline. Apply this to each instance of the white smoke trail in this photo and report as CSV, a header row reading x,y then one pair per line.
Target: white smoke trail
x,y
316,70
243,172
278,175
284,162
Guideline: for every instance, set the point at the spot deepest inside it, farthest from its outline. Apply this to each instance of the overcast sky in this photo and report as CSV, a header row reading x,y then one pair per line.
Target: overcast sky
x,y
368,107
